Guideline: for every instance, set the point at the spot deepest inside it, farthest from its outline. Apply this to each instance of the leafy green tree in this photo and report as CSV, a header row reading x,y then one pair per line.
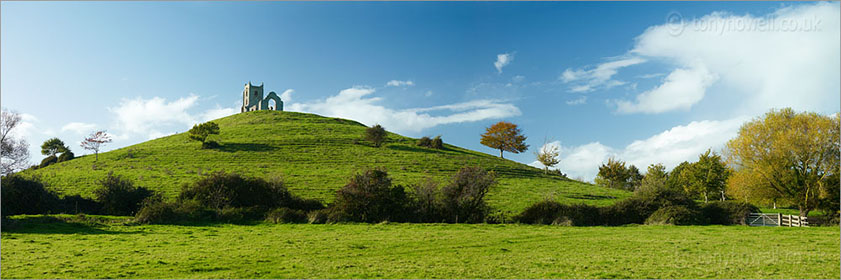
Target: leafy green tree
x,y
376,134
200,132
655,178
613,174
505,136
634,178
706,177
53,146
795,154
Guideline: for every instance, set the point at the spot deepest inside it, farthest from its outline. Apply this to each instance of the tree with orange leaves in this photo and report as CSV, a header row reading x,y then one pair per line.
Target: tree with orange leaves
x,y
506,137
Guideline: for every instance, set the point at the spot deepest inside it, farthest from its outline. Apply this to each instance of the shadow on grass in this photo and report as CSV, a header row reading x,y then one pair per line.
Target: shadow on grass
x,y
406,148
245,147
590,196
56,225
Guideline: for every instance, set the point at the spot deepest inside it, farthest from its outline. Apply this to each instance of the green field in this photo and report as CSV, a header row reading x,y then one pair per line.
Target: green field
x,y
316,155
37,249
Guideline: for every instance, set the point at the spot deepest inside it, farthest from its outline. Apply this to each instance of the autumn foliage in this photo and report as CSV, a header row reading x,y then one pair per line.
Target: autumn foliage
x,y
505,137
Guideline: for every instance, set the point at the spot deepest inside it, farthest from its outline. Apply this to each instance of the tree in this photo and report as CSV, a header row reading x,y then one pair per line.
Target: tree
x,y
674,180
463,198
795,154
200,132
634,178
655,178
95,141
613,174
53,146
706,177
14,153
548,156
504,136
376,134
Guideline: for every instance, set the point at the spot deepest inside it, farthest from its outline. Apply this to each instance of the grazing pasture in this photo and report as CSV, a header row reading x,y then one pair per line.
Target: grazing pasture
x,y
49,247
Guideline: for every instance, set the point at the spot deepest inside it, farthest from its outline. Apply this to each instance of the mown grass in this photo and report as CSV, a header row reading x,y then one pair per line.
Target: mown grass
x,y
315,155
37,247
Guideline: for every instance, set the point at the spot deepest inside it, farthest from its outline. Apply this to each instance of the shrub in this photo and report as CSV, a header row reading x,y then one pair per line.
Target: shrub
x,y
425,142
47,161
727,212
200,132
637,208
437,143
25,196
369,197
65,156
318,216
426,201
464,198
240,214
220,190
376,134
118,196
76,204
549,212
160,212
286,216
674,215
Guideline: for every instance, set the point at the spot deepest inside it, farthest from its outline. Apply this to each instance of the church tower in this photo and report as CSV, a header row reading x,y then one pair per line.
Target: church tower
x,y
252,97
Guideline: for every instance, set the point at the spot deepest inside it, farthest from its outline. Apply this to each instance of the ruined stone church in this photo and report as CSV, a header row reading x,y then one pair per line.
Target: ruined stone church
x,y
253,100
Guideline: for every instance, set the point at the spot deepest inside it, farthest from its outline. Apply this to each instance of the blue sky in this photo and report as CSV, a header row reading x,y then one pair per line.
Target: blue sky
x,y
644,82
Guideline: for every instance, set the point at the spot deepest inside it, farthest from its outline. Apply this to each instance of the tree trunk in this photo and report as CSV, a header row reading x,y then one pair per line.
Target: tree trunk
x,y
705,197
500,153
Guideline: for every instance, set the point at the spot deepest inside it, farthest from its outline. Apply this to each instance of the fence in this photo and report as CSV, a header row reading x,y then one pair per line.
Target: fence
x,y
776,220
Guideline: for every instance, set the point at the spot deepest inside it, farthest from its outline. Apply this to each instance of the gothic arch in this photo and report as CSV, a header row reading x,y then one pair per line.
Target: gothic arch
x,y
272,96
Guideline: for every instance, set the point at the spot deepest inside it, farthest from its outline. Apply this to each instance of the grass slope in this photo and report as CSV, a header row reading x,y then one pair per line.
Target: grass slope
x,y
34,249
315,155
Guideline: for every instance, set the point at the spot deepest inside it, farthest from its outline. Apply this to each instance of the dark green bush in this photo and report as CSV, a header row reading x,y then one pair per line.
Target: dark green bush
x,y
463,200
425,198
636,209
286,216
434,143
47,161
161,212
727,212
25,196
549,212
118,196
240,214
76,204
425,142
675,215
65,156
221,190
369,197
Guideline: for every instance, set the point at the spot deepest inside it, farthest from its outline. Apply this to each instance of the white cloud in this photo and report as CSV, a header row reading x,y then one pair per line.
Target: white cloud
x,y
680,90
396,83
79,127
355,103
286,96
518,78
503,60
670,147
578,101
145,116
599,77
762,62
217,113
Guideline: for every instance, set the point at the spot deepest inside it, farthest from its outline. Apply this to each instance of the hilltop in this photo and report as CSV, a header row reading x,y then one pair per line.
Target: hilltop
x,y
315,155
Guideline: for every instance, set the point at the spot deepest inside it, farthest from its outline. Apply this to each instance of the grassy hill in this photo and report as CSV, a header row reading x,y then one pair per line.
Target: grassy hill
x,y
315,155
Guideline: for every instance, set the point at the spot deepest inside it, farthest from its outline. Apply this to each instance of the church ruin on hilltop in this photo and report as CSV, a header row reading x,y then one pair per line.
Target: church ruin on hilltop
x,y
252,99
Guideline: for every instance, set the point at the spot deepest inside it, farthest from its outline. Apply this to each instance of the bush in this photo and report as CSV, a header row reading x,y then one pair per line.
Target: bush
x,y
220,190
425,142
636,209
549,212
434,143
674,215
209,144
240,214
376,134
118,196
426,201
76,204
160,212
369,197
318,216
286,216
463,200
727,212
47,161
25,196
65,156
